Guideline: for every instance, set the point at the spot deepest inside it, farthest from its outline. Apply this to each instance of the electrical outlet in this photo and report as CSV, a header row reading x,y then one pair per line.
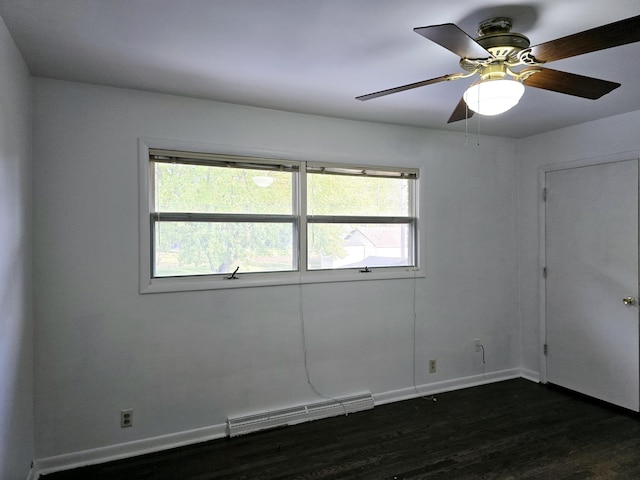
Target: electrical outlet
x,y
126,417
432,365
477,345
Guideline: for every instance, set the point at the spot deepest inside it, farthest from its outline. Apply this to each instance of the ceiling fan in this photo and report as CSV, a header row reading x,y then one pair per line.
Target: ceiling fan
x,y
505,62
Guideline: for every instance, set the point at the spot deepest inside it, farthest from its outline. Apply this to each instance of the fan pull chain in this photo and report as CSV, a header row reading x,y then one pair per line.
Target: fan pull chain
x,y
466,127
466,124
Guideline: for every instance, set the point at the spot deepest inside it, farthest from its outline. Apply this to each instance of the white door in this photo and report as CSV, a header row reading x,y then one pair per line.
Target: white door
x,y
591,249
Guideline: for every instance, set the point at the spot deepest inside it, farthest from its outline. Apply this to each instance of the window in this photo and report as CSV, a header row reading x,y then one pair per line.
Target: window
x,y
359,218
271,221
211,214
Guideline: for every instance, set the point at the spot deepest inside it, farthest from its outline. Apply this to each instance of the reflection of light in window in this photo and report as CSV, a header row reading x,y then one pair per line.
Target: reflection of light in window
x,y
263,181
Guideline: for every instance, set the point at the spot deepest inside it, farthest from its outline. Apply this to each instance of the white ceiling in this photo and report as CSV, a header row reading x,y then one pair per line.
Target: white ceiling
x,y
316,56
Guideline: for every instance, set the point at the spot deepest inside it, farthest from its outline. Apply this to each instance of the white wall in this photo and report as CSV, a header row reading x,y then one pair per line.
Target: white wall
x,y
590,140
16,326
188,360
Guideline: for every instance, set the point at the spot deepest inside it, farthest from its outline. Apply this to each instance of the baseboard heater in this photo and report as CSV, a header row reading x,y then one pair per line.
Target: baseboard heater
x,y
303,413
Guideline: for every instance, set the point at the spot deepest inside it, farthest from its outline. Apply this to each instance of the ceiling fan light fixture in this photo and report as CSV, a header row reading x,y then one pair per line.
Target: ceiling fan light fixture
x,y
493,97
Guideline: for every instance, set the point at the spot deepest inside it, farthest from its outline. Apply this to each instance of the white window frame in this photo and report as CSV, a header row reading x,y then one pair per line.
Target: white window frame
x,y
149,284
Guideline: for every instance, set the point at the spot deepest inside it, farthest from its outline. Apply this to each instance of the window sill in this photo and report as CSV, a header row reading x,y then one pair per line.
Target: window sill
x,y
187,284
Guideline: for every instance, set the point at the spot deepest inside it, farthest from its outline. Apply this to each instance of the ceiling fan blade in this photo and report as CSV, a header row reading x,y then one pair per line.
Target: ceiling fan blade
x,y
569,83
461,112
454,39
382,93
607,36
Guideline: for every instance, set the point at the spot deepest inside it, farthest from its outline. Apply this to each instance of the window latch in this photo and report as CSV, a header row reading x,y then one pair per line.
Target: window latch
x,y
365,270
233,275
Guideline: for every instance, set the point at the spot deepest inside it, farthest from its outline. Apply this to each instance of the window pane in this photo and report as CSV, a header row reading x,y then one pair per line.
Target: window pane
x,y
357,195
205,189
359,245
203,248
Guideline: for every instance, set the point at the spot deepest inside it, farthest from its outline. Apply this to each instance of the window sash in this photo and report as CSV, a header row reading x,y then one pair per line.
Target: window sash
x,y
157,218
222,217
358,219
409,247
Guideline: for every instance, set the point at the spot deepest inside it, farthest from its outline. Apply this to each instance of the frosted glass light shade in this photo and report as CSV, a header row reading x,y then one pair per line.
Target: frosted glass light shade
x,y
493,97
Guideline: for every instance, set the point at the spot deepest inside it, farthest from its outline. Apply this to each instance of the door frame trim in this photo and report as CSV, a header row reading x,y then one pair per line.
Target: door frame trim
x,y
542,171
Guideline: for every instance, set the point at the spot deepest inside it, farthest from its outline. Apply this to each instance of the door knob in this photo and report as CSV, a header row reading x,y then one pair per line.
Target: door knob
x,y
629,301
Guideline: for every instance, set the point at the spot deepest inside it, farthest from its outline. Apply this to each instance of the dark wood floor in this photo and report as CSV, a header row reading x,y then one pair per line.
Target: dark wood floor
x,y
508,430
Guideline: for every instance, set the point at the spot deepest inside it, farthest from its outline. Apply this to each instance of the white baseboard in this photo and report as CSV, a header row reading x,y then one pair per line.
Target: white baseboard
x,y
129,449
530,375
165,442
445,386
32,474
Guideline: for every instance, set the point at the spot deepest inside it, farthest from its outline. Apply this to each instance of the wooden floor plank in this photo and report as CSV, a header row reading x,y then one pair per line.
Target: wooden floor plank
x,y
508,430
